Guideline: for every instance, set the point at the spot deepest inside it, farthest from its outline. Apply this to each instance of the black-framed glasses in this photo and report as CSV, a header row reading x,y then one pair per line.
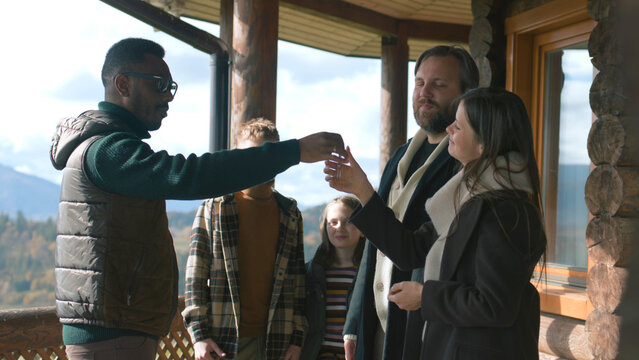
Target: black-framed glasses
x,y
162,84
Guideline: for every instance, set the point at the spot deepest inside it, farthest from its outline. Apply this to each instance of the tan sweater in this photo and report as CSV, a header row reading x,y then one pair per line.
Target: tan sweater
x,y
258,234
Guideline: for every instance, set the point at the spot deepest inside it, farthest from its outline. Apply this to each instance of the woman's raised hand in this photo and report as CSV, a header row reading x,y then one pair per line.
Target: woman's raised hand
x,y
345,174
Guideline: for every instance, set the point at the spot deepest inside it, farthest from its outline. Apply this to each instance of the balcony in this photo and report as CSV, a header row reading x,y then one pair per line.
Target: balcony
x,y
36,333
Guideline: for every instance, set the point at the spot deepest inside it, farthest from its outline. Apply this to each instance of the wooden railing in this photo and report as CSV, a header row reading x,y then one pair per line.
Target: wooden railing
x,y
36,333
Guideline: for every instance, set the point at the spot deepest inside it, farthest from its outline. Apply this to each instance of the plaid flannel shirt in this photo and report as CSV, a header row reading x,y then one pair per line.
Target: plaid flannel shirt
x,y
212,279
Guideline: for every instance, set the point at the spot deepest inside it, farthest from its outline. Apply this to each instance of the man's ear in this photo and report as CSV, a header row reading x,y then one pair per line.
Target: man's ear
x,y
121,84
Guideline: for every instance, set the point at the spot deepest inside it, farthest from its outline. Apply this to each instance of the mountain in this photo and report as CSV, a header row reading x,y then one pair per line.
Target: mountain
x,y
38,198
312,237
35,197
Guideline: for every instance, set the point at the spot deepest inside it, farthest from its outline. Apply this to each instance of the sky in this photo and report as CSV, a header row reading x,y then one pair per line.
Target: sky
x,y
576,115
52,70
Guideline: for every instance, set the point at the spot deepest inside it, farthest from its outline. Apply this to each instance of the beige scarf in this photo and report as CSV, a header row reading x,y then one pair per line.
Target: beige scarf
x,y
443,205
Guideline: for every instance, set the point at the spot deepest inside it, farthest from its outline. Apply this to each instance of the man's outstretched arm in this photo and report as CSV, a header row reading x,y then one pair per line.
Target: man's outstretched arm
x,y
121,163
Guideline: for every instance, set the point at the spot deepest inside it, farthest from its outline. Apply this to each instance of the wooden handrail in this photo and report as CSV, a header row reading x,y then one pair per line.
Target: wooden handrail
x,y
32,328
25,331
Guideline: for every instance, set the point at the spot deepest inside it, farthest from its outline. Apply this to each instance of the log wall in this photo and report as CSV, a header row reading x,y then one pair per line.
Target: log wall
x,y
563,337
487,42
612,189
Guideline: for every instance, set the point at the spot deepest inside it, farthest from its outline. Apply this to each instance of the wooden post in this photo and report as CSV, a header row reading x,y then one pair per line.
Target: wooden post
x,y
394,94
487,42
612,189
226,22
254,77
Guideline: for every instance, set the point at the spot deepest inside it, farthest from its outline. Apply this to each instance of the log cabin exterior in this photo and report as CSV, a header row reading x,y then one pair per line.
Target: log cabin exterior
x,y
517,44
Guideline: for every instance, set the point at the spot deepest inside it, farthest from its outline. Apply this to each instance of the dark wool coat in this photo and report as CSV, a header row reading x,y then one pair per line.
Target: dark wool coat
x,y
362,317
483,306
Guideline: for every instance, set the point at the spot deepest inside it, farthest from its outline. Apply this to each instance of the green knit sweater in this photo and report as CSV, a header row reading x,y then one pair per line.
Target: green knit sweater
x,y
122,163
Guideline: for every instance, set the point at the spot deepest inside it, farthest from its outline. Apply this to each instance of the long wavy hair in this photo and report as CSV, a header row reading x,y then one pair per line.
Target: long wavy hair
x,y
501,124
325,254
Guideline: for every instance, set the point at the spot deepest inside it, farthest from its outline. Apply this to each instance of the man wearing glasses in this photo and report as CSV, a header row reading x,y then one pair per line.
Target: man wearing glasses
x,y
116,271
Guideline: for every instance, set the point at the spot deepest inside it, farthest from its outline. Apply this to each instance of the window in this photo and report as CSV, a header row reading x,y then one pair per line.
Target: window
x,y
567,116
549,67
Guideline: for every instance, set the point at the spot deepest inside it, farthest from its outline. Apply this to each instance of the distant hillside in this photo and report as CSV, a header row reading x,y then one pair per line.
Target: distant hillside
x,y
35,197
27,248
312,237
26,261
38,198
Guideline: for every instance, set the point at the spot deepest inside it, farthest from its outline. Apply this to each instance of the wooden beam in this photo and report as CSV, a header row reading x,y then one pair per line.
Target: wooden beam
x,y
433,30
170,24
342,11
394,94
379,23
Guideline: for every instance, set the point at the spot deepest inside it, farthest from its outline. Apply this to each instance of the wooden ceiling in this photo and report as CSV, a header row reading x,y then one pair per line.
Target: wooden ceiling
x,y
353,27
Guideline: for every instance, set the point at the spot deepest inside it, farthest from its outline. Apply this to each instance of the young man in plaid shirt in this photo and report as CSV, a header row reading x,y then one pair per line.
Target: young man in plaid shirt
x,y
254,238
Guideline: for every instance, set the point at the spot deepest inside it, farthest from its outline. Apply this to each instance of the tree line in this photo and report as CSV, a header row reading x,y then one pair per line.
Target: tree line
x,y
26,261
27,254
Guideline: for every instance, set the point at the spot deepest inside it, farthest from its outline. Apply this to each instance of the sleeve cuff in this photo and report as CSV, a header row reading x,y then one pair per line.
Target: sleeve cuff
x,y
350,337
297,338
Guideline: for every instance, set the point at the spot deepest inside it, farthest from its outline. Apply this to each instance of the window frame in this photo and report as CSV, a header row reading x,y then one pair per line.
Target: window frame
x,y
530,35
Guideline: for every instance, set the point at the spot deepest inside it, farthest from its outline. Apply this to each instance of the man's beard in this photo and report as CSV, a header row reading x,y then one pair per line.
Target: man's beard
x,y
438,123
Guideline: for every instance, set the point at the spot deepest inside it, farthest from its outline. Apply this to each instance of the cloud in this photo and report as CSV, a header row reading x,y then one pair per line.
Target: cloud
x,y
576,116
190,68
349,107
305,182
316,90
82,86
30,156
306,65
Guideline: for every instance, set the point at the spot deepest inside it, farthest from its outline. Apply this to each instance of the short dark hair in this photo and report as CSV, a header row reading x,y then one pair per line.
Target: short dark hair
x,y
126,52
468,73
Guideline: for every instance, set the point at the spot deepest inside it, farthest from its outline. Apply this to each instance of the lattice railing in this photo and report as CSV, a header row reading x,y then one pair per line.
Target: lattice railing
x,y
36,333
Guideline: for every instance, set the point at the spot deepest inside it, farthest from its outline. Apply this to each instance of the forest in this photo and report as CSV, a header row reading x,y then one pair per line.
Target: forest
x,y
26,261
27,254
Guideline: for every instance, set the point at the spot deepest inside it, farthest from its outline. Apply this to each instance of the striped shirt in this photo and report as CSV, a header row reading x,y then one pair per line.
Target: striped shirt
x,y
338,282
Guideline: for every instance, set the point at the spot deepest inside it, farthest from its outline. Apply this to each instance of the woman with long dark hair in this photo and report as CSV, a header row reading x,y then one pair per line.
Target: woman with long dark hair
x,y
485,236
